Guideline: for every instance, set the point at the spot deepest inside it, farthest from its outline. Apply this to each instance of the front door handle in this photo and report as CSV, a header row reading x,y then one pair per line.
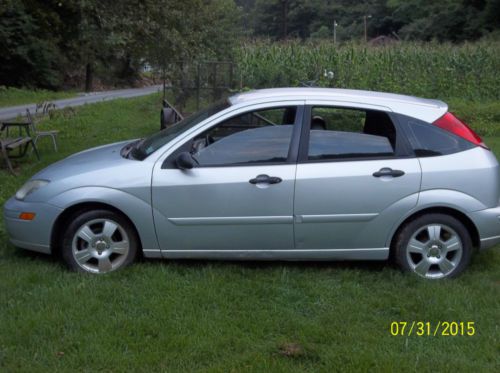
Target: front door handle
x,y
386,171
265,179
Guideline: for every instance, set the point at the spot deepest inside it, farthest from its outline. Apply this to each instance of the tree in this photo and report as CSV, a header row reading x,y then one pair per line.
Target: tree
x,y
182,31
176,34
30,55
106,35
42,41
446,20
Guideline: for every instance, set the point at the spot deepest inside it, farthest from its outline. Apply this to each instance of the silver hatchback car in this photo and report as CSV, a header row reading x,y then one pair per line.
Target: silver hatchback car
x,y
277,174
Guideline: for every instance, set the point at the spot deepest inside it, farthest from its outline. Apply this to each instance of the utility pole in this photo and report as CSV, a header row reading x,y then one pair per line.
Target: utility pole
x,y
335,24
366,28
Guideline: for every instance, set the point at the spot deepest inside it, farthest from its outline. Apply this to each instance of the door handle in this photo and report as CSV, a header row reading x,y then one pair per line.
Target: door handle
x,y
386,171
265,179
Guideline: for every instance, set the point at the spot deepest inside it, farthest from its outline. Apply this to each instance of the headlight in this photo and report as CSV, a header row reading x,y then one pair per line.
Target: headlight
x,y
30,187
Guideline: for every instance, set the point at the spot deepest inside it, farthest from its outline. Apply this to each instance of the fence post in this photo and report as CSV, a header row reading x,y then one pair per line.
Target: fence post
x,y
214,92
198,87
231,66
164,83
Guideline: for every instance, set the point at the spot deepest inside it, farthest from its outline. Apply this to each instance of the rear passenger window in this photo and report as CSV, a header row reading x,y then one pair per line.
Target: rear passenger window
x,y
428,140
342,133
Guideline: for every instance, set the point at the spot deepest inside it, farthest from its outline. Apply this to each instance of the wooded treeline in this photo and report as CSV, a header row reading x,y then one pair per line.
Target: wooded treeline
x,y
66,43
443,20
53,43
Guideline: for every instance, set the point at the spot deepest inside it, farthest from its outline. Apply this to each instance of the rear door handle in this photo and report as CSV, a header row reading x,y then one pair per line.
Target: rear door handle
x,y
386,171
265,179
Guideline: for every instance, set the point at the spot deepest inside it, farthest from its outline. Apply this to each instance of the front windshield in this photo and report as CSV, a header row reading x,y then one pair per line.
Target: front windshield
x,y
154,142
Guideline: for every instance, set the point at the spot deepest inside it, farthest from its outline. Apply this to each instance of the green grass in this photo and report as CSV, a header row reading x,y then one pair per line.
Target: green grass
x,y
10,96
181,316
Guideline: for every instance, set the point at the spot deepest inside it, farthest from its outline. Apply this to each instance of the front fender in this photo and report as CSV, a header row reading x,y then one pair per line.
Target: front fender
x,y
136,209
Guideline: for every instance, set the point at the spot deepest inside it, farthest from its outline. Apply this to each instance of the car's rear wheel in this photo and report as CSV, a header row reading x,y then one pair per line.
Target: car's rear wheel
x,y
433,246
99,241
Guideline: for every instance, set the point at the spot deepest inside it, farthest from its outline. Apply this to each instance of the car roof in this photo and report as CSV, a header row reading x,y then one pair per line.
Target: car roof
x,y
421,108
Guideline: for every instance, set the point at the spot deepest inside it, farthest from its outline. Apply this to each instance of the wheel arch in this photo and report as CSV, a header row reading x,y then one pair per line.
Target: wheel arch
x,y
59,224
459,215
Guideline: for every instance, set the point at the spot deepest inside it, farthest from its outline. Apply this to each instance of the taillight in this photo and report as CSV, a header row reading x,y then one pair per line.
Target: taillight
x,y
451,123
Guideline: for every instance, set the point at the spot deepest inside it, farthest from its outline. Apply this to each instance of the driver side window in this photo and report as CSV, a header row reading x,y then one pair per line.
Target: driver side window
x,y
261,136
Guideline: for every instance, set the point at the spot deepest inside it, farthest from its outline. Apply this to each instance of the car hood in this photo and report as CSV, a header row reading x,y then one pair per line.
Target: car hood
x,y
98,167
90,160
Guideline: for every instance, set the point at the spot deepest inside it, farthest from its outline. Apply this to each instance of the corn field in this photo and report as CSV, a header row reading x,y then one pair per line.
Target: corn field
x,y
468,71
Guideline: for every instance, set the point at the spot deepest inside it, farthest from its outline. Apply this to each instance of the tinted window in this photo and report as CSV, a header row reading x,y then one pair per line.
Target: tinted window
x,y
428,140
261,136
336,144
257,145
338,133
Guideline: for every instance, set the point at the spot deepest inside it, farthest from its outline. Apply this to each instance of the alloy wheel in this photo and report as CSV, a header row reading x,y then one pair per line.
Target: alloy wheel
x,y
100,246
434,251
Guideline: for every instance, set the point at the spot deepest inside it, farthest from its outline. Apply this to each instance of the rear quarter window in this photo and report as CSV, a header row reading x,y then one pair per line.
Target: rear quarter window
x,y
428,140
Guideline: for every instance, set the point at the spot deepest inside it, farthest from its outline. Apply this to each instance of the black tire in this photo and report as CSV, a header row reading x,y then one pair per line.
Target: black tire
x,y
121,248
404,257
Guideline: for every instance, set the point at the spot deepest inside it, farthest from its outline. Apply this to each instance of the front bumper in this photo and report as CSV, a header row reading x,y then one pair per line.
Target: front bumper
x,y
488,225
34,234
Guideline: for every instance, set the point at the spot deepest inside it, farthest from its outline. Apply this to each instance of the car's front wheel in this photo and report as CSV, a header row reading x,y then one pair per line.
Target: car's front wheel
x,y
433,246
99,241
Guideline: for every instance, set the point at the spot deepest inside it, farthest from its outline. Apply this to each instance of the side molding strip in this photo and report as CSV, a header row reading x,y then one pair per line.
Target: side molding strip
x,y
236,220
334,218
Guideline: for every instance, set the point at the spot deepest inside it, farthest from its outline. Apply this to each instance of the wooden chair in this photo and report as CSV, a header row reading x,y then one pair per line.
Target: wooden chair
x,y
11,143
36,134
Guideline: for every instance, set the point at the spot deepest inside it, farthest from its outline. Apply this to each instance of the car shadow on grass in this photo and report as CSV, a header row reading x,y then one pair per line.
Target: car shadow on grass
x,y
19,254
22,254
369,266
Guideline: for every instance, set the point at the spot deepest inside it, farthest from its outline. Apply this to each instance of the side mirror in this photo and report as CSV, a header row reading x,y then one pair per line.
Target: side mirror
x,y
185,161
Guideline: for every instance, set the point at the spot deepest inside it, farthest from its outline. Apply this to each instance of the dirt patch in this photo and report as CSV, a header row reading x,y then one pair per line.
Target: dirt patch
x,y
291,349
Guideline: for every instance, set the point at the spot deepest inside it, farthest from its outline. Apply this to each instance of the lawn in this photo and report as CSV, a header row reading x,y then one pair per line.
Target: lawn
x,y
10,96
181,316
